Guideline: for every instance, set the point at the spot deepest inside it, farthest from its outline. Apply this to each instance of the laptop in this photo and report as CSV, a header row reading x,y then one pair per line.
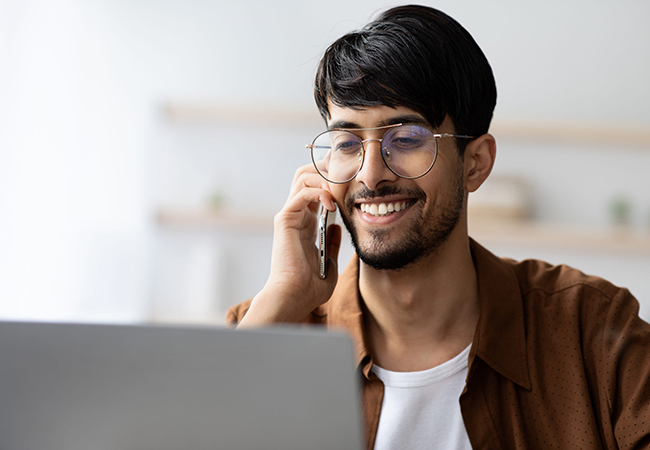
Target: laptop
x,y
153,387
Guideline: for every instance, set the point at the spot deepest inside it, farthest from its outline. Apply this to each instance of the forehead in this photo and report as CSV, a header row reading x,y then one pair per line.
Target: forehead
x,y
372,116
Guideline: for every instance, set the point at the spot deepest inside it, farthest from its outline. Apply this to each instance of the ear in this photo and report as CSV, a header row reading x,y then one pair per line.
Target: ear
x,y
479,159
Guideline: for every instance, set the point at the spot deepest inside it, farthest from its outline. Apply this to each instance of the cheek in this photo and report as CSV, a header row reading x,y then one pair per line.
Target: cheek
x,y
440,188
444,177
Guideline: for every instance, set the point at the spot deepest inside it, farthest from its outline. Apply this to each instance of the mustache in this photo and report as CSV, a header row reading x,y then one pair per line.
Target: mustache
x,y
365,193
383,191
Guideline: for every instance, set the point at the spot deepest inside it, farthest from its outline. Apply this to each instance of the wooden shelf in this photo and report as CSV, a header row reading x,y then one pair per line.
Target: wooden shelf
x,y
503,232
263,115
214,219
531,234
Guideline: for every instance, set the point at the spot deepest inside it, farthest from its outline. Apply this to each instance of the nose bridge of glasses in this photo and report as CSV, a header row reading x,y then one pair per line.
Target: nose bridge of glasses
x,y
374,167
372,152
365,142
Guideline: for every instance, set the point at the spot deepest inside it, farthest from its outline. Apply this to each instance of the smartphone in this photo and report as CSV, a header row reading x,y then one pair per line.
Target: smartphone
x,y
324,217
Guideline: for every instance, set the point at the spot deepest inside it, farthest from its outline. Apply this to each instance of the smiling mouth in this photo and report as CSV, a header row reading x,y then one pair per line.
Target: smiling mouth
x,y
384,209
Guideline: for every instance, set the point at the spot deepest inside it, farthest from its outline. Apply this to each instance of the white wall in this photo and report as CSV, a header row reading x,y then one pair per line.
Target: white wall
x,y
73,228
84,151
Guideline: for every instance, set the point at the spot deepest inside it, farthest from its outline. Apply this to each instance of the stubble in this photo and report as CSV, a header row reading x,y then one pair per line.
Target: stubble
x,y
424,235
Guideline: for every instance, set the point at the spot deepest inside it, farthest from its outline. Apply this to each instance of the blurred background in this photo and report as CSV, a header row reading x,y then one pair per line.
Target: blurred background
x,y
145,145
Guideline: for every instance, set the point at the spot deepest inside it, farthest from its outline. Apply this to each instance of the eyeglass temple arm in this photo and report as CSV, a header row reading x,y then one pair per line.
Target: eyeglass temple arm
x,y
457,136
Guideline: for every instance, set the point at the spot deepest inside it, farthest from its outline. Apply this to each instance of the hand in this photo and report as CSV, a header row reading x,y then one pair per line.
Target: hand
x,y
294,287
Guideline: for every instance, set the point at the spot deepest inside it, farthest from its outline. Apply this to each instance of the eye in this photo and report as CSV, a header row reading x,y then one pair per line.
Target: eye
x,y
345,146
346,143
406,142
408,138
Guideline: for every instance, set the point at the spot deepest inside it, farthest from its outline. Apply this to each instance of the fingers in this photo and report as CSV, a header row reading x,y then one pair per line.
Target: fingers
x,y
306,169
309,186
307,177
309,198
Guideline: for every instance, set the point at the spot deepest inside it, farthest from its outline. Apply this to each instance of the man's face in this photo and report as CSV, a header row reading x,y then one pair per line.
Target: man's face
x,y
425,211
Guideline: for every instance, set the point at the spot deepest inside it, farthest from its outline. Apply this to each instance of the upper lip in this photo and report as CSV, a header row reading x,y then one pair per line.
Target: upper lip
x,y
379,200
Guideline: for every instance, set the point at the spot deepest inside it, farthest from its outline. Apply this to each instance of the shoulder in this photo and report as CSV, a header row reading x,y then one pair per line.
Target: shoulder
x,y
535,276
560,294
539,283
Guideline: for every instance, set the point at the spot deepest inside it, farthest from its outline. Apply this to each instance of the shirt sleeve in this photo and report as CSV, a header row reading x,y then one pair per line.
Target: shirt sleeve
x,y
236,313
626,367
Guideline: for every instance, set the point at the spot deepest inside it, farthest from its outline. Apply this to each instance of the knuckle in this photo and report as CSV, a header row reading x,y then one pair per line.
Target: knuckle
x,y
277,219
302,170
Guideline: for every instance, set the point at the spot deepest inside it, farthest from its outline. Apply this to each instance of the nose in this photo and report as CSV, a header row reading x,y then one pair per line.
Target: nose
x,y
374,170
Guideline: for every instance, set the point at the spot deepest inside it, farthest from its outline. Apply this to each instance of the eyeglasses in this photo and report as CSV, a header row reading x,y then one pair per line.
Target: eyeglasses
x,y
409,151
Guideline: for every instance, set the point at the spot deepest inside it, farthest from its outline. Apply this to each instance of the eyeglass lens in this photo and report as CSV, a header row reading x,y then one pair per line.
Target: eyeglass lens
x,y
408,150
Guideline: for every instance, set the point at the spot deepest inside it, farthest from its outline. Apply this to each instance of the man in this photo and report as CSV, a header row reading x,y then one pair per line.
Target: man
x,y
458,349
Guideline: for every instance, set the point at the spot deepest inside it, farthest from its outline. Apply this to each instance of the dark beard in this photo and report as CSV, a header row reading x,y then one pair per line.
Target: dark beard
x,y
422,239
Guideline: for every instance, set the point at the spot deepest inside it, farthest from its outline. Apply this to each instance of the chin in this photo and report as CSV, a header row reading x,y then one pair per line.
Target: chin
x,y
385,254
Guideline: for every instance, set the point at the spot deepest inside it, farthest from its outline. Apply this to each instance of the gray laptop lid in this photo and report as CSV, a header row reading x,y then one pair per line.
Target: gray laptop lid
x,y
101,387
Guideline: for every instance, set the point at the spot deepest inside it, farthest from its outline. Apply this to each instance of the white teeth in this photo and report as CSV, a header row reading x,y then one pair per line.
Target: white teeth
x,y
382,209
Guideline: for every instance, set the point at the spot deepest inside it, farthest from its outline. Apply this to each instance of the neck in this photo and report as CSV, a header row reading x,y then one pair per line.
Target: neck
x,y
425,314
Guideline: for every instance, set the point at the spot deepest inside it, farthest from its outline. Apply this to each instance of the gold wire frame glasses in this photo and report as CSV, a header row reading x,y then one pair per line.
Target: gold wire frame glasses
x,y
408,150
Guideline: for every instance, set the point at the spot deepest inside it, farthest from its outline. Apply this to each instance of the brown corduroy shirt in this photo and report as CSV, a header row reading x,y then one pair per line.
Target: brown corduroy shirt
x,y
559,359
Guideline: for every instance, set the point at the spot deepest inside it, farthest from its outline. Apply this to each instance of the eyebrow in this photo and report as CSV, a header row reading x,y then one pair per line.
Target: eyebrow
x,y
406,119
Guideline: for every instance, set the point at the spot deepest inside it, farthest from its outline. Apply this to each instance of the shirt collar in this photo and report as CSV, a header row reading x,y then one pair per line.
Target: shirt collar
x,y
499,340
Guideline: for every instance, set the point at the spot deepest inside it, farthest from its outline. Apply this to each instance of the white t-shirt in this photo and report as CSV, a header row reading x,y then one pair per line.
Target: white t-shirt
x,y
421,410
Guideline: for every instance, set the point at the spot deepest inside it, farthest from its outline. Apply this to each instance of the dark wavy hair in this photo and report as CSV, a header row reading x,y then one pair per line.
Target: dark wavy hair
x,y
412,56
